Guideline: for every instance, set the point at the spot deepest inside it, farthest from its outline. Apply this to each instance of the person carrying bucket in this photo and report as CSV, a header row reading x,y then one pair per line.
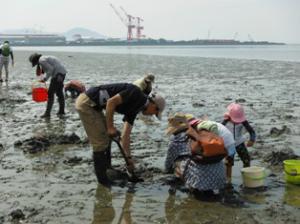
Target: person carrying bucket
x,y
5,51
124,98
57,72
235,120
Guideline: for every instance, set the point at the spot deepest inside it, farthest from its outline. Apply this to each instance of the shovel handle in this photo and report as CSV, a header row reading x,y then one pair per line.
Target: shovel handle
x,y
117,140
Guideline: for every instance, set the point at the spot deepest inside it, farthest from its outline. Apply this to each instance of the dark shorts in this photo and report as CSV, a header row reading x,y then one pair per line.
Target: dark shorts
x,y
243,153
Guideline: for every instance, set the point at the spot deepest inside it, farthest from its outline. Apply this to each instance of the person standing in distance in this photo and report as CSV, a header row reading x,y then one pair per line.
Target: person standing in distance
x,y
57,72
5,51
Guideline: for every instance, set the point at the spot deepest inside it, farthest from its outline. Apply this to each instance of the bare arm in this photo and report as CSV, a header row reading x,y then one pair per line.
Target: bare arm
x,y
126,138
12,58
111,105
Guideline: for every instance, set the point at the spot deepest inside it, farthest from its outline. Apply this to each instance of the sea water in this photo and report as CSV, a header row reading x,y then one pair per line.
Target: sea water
x,y
290,52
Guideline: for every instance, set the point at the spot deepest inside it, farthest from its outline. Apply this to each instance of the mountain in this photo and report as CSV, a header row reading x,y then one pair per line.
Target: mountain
x,y
85,33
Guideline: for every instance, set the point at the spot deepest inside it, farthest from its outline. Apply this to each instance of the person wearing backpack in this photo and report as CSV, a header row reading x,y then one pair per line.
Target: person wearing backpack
x,y
57,72
235,120
123,98
222,131
201,177
5,52
145,83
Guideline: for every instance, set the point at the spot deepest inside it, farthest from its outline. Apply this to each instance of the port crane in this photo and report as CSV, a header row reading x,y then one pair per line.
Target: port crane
x,y
139,28
130,25
129,22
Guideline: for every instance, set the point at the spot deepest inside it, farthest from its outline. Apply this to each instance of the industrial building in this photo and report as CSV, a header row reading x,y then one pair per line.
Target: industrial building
x,y
33,39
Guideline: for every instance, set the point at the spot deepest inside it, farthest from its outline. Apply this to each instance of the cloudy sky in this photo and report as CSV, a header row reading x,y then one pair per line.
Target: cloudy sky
x,y
272,20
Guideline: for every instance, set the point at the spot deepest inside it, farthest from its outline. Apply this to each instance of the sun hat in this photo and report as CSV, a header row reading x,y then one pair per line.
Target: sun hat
x,y
176,123
160,102
235,112
34,59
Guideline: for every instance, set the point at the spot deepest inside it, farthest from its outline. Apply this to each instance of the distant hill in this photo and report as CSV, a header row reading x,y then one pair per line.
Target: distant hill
x,y
85,33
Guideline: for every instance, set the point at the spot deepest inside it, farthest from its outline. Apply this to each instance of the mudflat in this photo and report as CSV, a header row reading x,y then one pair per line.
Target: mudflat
x,y
46,170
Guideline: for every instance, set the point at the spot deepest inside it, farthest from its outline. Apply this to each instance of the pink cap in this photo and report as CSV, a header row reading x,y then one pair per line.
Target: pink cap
x,y
236,113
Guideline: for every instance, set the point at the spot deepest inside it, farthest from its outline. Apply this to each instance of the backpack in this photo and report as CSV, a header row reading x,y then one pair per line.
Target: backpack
x,y
206,147
5,50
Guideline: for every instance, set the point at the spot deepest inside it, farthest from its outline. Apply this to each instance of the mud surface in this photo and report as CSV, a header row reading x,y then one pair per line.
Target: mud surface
x,y
46,170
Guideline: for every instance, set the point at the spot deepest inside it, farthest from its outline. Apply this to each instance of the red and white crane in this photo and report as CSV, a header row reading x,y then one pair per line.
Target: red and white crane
x,y
139,28
129,23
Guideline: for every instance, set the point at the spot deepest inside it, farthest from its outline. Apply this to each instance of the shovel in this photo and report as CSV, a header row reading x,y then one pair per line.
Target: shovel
x,y
131,175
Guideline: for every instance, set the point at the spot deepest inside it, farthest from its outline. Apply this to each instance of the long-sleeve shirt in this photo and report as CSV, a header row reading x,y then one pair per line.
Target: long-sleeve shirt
x,y
178,146
238,129
51,66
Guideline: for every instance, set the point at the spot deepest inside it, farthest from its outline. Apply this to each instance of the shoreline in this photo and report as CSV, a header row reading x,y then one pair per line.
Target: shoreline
x,y
287,53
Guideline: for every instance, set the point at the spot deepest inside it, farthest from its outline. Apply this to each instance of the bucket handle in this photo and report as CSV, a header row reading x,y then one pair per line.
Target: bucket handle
x,y
265,174
35,82
293,172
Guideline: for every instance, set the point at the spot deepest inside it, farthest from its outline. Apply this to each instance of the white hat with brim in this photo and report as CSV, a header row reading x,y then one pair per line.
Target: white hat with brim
x,y
160,103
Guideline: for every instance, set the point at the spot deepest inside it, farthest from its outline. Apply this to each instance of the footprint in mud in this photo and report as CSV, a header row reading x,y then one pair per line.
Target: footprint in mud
x,y
275,132
17,214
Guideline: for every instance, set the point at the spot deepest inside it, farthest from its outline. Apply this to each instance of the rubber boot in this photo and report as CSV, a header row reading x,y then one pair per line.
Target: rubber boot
x,y
46,114
108,156
61,102
49,107
100,165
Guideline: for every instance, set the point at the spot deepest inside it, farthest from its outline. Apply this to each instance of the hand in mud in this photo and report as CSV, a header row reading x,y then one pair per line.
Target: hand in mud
x,y
130,165
250,143
113,133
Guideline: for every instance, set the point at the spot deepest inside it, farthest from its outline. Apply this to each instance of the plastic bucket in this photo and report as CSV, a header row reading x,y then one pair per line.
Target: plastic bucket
x,y
253,176
292,171
39,93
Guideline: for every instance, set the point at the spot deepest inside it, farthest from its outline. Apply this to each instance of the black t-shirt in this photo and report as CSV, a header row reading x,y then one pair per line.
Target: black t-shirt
x,y
133,99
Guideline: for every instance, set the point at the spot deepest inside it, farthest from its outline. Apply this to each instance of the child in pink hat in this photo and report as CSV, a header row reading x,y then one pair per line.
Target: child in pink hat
x,y
235,120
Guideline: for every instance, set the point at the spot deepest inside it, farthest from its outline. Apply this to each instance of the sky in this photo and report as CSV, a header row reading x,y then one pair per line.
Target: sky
x,y
271,20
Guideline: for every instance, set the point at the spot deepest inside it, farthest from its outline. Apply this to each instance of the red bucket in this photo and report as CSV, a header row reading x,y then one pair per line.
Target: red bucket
x,y
39,93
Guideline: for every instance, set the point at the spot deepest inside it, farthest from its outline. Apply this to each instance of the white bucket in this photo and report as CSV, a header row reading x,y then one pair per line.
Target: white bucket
x,y
253,176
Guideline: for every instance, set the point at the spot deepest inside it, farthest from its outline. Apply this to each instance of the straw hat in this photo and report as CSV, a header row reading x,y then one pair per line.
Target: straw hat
x,y
176,123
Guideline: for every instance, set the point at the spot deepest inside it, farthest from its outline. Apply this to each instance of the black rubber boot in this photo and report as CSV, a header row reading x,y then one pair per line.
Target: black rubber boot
x,y
49,107
46,114
108,156
100,165
61,102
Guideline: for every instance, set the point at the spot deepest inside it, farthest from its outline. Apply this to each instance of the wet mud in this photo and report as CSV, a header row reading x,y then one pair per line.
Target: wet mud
x,y
46,168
